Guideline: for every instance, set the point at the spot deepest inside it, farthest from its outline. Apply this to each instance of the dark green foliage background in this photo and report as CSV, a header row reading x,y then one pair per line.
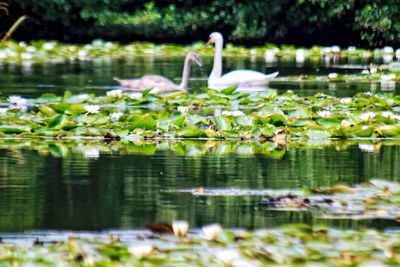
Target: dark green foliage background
x,y
300,22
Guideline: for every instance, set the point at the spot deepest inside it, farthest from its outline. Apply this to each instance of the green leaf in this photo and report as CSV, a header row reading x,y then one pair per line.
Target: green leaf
x,y
269,130
146,92
223,123
76,109
14,129
179,121
144,122
188,132
245,121
229,90
47,111
329,122
194,119
317,134
58,121
163,124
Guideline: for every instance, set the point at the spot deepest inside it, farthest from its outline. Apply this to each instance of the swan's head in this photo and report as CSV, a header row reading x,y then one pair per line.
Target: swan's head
x,y
215,37
192,56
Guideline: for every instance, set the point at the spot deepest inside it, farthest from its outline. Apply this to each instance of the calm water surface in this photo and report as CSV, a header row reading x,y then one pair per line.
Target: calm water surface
x,y
97,75
54,186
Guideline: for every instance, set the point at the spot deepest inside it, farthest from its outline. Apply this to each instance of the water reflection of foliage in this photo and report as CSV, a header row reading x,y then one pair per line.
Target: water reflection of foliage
x,y
49,184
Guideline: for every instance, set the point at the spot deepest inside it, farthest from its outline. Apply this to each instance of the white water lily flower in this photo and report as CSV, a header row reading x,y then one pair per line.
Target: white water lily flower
x,y
141,251
82,53
180,228
11,53
108,44
91,153
345,123
388,77
117,93
301,53
366,147
227,256
31,49
324,113
335,49
387,58
78,98
116,115
212,231
345,100
373,69
326,50
49,46
351,48
388,50
387,114
365,72
332,75
396,117
183,109
398,53
269,55
135,95
92,109
234,113
18,100
367,116
26,56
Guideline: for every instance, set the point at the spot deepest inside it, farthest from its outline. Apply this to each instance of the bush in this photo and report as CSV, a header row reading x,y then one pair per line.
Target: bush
x,y
302,22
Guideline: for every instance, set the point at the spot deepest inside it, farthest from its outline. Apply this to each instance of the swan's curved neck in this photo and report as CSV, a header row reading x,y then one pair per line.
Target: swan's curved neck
x,y
185,74
216,71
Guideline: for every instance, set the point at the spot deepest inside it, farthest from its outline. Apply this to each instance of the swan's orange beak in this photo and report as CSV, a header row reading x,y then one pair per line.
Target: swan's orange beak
x,y
209,42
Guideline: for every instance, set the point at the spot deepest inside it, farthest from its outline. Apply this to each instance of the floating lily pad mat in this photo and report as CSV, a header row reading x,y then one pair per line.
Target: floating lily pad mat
x,y
41,51
290,245
226,114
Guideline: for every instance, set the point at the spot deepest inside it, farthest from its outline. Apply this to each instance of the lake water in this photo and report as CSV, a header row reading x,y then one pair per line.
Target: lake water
x,y
97,75
95,186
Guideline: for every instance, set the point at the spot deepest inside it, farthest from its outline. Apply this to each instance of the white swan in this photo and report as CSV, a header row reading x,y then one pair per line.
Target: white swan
x,y
159,83
241,78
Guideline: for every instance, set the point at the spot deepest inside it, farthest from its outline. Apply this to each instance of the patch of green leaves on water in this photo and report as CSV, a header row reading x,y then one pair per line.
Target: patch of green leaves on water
x,y
213,115
289,245
375,199
45,51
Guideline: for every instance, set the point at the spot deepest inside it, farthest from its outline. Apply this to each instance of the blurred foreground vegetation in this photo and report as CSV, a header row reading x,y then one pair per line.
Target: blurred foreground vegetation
x,y
301,22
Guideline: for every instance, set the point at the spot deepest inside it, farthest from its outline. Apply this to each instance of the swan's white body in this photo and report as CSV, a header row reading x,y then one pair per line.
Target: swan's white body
x,y
159,83
241,78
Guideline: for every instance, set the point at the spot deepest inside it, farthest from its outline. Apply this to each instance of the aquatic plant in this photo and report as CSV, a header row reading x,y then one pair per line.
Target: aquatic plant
x,y
213,114
288,245
53,51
